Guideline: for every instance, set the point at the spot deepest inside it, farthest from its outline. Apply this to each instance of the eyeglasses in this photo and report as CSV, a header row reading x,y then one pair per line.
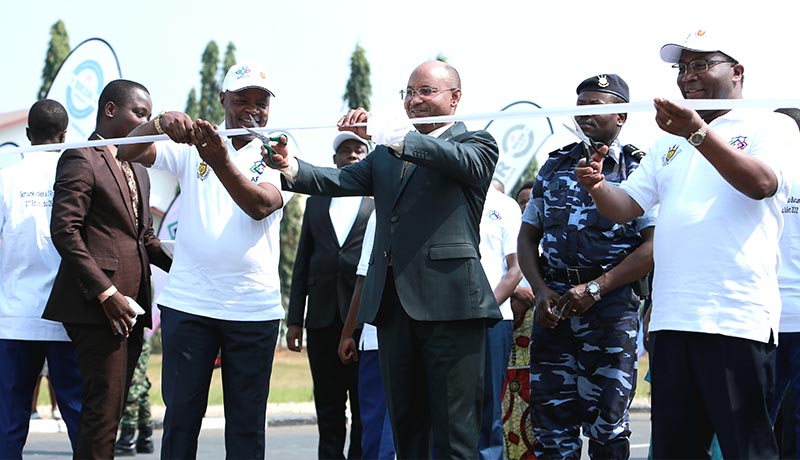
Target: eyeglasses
x,y
424,93
699,66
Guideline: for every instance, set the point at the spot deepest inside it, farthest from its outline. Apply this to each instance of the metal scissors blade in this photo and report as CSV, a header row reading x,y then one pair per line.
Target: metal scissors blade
x,y
264,139
590,144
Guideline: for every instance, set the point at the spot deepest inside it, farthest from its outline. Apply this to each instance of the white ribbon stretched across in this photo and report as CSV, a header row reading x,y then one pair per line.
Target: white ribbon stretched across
x,y
594,109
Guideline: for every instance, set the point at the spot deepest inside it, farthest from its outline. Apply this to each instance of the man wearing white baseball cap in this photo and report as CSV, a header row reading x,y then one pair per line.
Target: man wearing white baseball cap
x,y
720,181
324,275
223,292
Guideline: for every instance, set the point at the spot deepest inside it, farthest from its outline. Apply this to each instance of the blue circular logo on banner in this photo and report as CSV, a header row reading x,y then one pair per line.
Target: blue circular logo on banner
x,y
87,81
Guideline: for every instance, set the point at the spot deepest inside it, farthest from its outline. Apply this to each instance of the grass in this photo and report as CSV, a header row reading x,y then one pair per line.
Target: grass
x,y
291,380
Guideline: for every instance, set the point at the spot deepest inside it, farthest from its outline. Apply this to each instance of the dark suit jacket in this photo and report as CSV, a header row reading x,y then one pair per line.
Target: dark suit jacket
x,y
427,223
323,271
93,228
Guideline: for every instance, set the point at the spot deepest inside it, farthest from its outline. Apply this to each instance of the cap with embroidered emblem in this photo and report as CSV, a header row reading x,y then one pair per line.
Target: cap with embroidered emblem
x,y
605,83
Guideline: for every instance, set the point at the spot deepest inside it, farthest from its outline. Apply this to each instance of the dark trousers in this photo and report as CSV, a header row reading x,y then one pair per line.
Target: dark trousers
x,y
433,377
190,346
106,363
333,383
785,412
709,383
22,363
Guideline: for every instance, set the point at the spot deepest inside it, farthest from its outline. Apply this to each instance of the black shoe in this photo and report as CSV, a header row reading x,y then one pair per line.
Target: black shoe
x,y
144,444
125,445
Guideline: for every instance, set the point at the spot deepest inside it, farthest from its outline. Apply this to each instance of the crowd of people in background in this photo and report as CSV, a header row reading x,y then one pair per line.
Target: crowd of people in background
x,y
429,301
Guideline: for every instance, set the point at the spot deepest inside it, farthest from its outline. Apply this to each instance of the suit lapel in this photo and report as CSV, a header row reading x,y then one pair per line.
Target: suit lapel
x,y
122,184
327,223
454,130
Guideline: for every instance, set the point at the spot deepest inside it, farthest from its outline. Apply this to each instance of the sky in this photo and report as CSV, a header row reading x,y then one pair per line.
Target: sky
x,y
505,50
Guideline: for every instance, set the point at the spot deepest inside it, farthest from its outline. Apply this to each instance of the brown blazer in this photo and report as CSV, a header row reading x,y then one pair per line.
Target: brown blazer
x,y
93,228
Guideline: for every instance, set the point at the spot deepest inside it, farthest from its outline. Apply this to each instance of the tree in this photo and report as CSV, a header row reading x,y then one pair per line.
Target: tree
x,y
229,61
441,57
56,54
209,106
358,89
530,172
291,223
192,106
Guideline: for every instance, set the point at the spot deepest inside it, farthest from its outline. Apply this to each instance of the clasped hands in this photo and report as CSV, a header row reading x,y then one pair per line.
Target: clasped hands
x,y
552,307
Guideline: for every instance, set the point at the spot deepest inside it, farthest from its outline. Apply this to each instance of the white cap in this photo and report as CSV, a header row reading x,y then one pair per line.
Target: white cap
x,y
346,136
699,41
243,76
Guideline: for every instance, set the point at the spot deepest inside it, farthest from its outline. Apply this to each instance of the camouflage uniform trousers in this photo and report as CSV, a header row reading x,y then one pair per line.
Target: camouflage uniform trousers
x,y
583,375
137,406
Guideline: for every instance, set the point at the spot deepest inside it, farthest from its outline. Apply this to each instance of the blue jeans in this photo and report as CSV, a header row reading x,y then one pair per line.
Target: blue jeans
x,y
190,346
22,363
498,348
377,441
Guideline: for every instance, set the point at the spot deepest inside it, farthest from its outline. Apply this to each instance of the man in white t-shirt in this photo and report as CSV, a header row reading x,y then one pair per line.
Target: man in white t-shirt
x,y
499,226
28,266
720,184
223,291
787,357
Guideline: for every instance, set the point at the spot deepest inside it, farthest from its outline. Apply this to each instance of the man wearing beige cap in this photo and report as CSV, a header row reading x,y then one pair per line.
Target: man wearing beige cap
x,y
324,276
720,181
223,292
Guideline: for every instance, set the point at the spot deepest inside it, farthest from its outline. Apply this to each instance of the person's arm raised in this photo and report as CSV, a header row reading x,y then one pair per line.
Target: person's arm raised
x,y
177,125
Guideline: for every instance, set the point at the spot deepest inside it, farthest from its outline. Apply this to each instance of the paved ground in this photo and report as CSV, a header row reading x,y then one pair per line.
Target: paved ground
x,y
291,435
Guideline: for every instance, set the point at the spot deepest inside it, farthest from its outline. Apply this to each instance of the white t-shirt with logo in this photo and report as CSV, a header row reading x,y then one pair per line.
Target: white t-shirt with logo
x,y
28,259
225,263
500,225
789,274
716,250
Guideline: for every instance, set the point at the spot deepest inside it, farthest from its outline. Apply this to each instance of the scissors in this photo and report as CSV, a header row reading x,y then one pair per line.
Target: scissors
x,y
281,139
590,144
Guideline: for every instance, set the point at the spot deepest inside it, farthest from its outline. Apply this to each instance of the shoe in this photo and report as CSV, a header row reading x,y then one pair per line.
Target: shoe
x,y
35,416
125,445
144,443
56,414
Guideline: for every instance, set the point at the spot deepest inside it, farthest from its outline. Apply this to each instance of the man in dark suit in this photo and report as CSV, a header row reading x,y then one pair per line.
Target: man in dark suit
x,y
102,228
425,290
325,273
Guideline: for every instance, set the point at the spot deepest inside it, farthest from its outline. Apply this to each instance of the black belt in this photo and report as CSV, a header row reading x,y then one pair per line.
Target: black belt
x,y
573,276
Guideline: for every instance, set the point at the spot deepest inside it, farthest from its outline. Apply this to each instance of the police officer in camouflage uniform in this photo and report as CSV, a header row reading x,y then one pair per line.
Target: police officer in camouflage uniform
x,y
583,343
137,412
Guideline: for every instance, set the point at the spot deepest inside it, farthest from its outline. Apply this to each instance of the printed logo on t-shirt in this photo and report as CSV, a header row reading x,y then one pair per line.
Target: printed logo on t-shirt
x,y
258,168
739,142
670,155
203,170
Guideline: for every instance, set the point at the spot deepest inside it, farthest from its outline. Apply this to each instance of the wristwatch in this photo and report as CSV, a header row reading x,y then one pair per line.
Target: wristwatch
x,y
593,289
697,137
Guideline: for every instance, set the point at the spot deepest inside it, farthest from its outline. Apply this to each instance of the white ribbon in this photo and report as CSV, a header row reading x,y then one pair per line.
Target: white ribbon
x,y
593,109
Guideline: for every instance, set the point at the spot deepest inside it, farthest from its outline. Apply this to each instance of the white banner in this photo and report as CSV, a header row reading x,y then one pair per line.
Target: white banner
x,y
81,78
519,140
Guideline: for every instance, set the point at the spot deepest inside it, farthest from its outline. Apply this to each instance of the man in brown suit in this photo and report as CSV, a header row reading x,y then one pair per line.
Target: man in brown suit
x,y
102,228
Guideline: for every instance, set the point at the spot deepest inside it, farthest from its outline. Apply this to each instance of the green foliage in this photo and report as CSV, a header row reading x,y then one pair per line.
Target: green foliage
x,y
290,235
359,89
530,172
56,54
229,60
192,106
441,57
209,106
